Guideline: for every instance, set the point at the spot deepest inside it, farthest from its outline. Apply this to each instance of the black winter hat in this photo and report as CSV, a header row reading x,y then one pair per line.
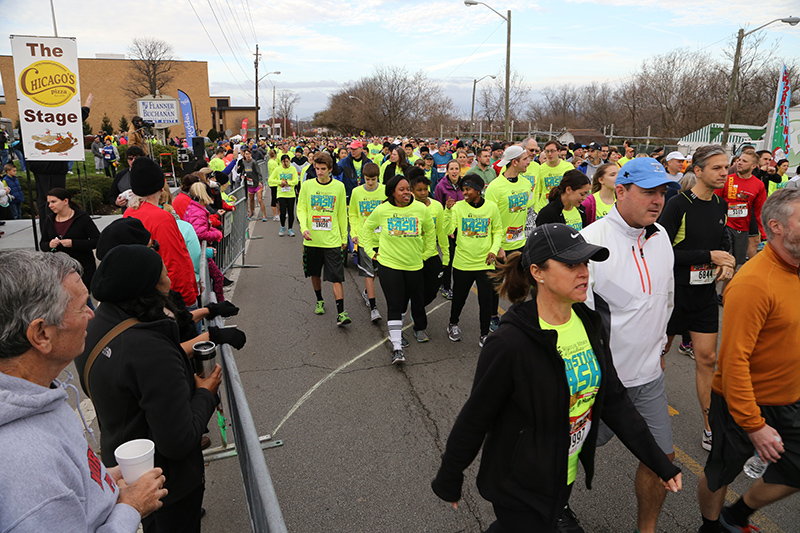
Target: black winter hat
x,y
146,177
122,231
126,272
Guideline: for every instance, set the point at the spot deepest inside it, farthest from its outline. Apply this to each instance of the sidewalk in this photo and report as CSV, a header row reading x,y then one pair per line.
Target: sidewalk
x,y
19,233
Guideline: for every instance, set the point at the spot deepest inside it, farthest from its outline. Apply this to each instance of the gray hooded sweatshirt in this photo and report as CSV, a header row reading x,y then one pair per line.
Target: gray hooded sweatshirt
x,y
51,480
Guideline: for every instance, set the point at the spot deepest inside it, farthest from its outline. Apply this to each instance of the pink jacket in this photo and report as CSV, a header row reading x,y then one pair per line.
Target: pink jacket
x,y
197,216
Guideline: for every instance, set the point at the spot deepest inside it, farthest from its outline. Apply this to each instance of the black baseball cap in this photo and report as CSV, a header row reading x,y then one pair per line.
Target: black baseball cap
x,y
562,243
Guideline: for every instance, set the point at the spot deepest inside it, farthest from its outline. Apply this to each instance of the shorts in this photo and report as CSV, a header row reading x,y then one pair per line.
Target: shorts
x,y
650,400
732,447
366,268
253,190
740,241
332,258
696,309
753,230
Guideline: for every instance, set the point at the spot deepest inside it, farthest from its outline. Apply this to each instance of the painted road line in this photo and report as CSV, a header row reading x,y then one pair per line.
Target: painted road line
x,y
341,367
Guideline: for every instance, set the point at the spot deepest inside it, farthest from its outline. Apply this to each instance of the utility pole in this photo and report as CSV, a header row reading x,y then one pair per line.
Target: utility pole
x,y
273,112
508,72
256,78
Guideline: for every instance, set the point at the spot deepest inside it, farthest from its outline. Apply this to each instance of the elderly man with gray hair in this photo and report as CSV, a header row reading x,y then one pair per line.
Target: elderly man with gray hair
x,y
755,394
51,479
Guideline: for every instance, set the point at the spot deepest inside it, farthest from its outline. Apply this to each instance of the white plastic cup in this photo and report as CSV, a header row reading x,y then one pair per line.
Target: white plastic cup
x,y
134,458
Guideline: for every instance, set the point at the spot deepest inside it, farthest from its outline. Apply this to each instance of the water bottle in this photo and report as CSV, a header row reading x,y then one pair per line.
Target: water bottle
x,y
755,466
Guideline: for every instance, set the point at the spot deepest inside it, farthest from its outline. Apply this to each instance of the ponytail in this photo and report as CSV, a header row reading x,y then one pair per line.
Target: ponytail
x,y
515,282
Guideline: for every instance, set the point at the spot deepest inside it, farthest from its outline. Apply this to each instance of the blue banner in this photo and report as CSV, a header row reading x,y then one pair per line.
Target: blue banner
x,y
188,117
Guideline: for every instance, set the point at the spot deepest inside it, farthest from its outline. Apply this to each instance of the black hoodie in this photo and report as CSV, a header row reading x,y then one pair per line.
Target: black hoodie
x,y
519,411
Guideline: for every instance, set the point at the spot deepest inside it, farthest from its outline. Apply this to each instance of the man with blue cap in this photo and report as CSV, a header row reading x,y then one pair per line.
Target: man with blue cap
x,y
633,292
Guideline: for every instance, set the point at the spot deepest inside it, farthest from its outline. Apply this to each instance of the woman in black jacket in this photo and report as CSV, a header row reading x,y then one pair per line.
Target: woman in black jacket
x,y
565,201
544,380
72,231
143,385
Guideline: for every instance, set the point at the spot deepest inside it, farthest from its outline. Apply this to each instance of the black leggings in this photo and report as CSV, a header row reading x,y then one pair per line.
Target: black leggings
x,y
274,196
432,271
398,287
182,516
448,269
287,209
462,283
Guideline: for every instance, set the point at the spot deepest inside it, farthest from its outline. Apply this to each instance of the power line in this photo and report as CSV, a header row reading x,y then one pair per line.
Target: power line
x,y
250,19
473,52
238,62
217,49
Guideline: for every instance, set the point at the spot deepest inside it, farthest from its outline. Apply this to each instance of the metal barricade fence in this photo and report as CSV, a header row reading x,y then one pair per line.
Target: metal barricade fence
x,y
234,232
262,501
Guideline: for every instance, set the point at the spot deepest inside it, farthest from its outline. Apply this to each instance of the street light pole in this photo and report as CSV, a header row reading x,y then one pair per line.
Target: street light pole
x,y
472,114
256,78
507,18
792,21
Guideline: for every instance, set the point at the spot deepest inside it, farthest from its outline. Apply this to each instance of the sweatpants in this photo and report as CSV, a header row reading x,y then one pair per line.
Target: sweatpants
x,y
286,206
400,286
462,283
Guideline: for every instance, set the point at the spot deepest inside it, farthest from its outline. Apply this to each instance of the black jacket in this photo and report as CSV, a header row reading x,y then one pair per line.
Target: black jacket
x,y
519,410
554,212
143,388
84,235
121,183
349,176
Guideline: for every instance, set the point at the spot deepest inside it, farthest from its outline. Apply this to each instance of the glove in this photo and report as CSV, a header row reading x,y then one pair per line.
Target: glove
x,y
226,309
233,336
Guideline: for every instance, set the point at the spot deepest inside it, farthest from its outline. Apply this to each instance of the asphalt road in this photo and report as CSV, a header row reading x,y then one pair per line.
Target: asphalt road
x,y
361,447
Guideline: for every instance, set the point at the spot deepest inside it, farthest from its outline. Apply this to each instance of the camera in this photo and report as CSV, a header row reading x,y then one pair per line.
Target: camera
x,y
148,123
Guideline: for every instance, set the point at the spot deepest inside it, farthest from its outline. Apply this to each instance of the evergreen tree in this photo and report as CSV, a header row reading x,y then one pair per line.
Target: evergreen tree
x,y
123,123
212,135
106,126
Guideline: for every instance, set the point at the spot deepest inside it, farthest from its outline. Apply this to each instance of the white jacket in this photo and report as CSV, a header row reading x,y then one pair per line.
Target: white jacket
x,y
633,292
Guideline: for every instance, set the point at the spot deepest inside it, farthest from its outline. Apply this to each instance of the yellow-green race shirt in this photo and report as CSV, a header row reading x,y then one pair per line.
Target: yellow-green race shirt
x,y
583,379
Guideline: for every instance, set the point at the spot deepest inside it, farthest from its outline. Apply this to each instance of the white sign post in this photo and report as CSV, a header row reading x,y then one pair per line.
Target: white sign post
x,y
48,95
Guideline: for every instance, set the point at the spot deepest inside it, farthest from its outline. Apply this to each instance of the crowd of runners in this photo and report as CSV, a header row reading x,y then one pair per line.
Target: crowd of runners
x,y
606,254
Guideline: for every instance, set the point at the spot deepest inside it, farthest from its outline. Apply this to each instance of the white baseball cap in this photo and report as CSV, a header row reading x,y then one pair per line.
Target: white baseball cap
x,y
511,153
675,155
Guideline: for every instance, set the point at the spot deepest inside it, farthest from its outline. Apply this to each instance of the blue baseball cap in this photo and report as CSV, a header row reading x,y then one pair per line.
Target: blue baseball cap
x,y
645,172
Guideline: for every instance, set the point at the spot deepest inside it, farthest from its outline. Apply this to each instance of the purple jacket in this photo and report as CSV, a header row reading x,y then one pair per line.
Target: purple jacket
x,y
197,216
445,189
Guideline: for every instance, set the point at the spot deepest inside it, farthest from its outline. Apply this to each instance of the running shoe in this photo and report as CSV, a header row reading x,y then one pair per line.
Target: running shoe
x,y
447,293
291,233
404,340
264,219
494,323
454,332
320,309
421,336
686,349
482,340
226,282
374,315
398,357
250,216
282,232
568,522
276,218
366,298
342,319
706,442
727,524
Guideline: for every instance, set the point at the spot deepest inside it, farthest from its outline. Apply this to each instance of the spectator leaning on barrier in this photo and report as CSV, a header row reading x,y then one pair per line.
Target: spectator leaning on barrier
x,y
143,387
51,479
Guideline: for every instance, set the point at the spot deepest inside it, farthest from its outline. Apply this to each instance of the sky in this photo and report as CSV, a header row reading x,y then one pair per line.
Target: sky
x,y
318,46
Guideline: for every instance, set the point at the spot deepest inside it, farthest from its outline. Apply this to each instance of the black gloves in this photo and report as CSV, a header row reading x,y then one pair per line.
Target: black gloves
x,y
225,309
233,336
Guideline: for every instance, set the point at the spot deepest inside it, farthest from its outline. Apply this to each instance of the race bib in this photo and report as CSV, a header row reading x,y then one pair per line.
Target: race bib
x,y
701,274
441,169
514,234
578,431
322,223
250,182
286,188
737,210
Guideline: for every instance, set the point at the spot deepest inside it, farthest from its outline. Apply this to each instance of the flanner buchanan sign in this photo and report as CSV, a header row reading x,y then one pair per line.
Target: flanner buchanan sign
x,y
163,111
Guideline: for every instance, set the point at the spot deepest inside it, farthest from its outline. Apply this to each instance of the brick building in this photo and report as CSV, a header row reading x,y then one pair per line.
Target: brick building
x,y
105,77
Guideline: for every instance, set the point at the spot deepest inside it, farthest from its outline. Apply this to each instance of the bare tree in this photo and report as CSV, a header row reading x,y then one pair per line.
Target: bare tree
x,y
152,66
285,103
491,101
